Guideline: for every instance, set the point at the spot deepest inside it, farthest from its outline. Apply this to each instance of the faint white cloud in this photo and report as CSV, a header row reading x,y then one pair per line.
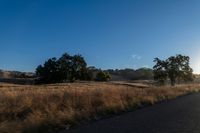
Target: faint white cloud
x,y
136,57
97,57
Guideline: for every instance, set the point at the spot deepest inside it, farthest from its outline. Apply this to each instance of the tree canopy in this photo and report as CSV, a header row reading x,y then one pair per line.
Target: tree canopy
x,y
66,68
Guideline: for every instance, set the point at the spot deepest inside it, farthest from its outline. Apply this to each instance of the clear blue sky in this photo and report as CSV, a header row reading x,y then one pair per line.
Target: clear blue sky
x,y
108,33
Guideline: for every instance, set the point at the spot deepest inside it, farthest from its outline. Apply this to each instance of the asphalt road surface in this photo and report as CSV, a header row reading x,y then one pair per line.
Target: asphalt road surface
x,y
181,115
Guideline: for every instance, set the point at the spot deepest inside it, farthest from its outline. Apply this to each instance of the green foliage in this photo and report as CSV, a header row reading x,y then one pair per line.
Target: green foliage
x,y
102,76
176,68
66,68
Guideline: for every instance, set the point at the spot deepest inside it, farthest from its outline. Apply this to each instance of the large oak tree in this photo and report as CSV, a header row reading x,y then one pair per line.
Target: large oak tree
x,y
175,68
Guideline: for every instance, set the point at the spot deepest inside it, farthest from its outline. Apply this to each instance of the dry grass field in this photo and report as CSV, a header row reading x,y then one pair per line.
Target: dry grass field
x,y
46,108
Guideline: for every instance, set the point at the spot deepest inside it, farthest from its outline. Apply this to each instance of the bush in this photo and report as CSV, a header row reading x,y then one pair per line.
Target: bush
x,y
103,76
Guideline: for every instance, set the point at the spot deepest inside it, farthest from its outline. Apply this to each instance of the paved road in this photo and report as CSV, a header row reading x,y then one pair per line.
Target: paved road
x,y
177,116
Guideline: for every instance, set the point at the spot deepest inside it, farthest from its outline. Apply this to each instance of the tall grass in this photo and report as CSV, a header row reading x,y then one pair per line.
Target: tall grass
x,y
46,108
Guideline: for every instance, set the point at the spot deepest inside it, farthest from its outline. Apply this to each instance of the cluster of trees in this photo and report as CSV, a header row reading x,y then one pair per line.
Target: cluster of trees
x,y
67,69
175,68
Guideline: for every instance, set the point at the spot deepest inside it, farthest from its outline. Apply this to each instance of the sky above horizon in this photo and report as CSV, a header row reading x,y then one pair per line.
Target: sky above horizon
x,y
108,33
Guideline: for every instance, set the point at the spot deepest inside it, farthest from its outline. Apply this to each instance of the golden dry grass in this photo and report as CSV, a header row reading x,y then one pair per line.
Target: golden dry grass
x,y
46,108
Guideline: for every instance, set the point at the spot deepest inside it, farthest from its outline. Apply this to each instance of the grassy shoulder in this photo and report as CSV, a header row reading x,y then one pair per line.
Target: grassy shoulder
x,y
46,108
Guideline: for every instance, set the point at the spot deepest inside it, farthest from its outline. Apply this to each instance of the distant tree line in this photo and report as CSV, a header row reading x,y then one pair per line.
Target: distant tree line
x,y
175,68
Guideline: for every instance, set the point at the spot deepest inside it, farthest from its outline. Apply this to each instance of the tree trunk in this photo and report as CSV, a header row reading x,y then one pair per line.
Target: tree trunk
x,y
173,82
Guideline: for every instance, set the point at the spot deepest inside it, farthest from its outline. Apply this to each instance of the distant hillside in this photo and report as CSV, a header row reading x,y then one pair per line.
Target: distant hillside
x,y
17,77
127,74
16,74
131,74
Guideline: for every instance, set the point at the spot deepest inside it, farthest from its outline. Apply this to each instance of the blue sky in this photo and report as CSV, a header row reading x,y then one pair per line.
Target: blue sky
x,y
108,33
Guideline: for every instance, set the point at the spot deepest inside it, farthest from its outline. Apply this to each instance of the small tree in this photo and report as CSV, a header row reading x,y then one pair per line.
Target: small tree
x,y
102,76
